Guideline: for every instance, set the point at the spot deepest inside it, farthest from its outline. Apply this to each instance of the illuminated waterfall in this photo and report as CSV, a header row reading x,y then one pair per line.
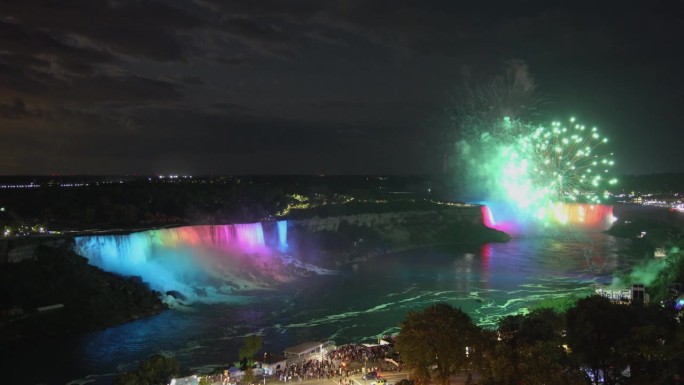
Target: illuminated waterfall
x,y
282,234
583,215
514,221
487,217
247,237
193,258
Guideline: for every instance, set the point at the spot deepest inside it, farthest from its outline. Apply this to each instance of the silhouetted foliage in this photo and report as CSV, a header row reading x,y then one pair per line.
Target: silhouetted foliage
x,y
251,346
436,336
92,298
528,349
156,370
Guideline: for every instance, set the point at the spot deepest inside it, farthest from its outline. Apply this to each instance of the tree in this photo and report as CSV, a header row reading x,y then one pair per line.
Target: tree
x,y
130,378
436,337
156,370
252,344
545,362
539,325
528,349
651,342
247,352
595,327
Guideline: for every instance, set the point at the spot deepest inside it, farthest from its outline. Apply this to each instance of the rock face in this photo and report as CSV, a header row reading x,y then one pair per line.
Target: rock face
x,y
344,239
91,298
19,249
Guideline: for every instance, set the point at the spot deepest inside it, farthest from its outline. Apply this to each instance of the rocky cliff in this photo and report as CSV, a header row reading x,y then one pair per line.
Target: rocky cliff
x,y
348,238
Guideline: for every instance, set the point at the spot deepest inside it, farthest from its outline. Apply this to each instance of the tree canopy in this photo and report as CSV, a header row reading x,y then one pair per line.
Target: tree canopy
x,y
156,370
252,344
436,337
529,349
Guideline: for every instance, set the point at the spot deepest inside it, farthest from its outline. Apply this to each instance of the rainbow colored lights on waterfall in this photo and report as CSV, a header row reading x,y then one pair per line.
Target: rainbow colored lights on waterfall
x,y
246,237
487,217
579,215
282,234
193,258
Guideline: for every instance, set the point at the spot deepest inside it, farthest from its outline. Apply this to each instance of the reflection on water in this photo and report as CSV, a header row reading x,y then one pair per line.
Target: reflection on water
x,y
360,302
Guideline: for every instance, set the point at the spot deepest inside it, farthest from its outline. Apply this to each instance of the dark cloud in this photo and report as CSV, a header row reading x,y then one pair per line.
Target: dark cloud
x,y
336,104
231,108
234,60
324,86
137,28
14,110
68,53
252,30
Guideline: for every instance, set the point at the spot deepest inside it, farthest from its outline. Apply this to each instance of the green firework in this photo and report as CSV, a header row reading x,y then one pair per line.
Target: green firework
x,y
570,162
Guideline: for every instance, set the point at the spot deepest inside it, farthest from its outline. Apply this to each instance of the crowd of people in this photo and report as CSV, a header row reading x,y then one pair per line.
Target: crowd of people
x,y
307,370
341,362
360,353
338,364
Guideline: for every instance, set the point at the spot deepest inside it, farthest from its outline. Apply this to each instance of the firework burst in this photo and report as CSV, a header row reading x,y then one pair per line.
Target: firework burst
x,y
569,163
535,169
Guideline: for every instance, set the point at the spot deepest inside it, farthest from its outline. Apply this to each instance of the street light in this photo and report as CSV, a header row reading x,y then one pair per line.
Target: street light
x,y
263,372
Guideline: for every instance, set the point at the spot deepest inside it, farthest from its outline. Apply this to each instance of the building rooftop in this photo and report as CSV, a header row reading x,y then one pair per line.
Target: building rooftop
x,y
304,347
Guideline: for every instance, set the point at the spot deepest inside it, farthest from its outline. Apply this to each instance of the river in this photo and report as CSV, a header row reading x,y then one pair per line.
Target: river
x,y
357,303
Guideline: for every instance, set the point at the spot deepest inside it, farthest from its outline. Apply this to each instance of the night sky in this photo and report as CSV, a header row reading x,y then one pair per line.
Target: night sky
x,y
319,87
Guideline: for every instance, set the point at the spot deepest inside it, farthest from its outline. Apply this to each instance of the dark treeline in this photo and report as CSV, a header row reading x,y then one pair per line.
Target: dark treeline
x,y
128,202
595,341
141,203
133,202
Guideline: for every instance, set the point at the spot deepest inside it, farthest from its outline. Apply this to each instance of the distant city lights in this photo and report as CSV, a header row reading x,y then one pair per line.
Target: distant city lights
x,y
15,186
672,201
